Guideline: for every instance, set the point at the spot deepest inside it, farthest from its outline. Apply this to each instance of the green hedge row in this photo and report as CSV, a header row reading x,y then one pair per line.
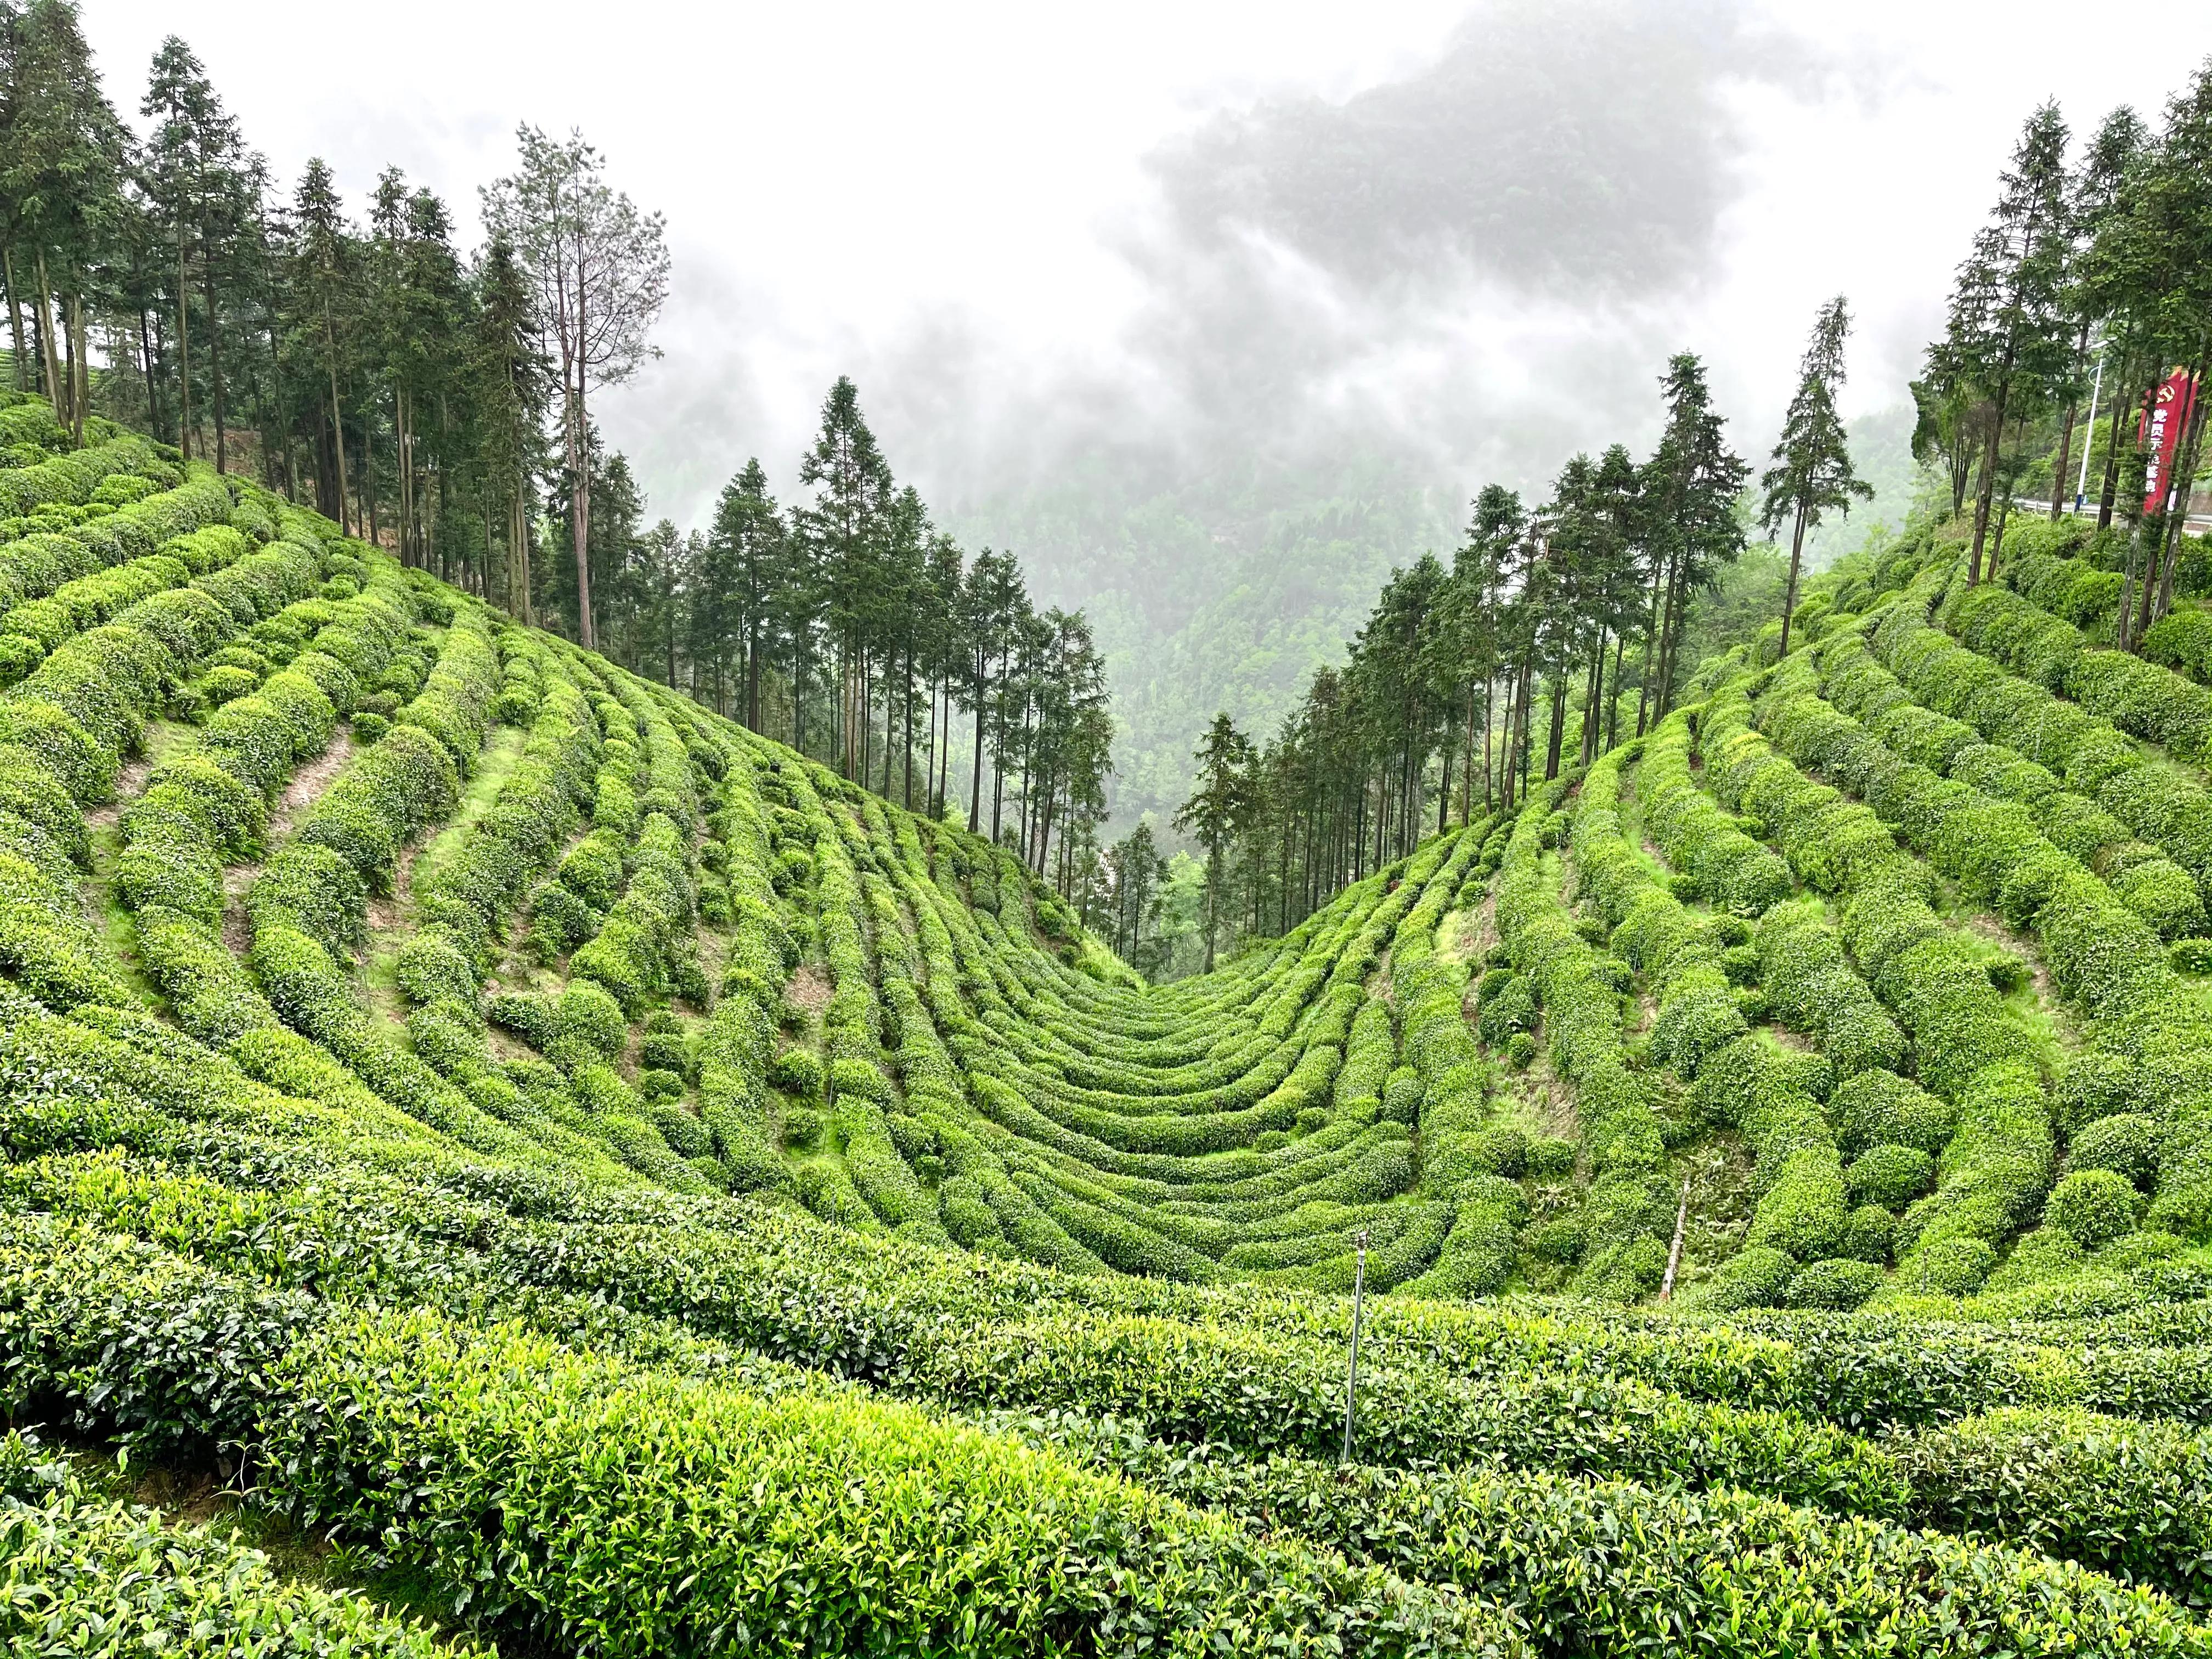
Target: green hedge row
x,y
886,1530
2152,1022
2134,1499
2094,757
1629,1208
1727,867
1997,1164
1610,1566
83,1576
2141,698
2159,891
1810,985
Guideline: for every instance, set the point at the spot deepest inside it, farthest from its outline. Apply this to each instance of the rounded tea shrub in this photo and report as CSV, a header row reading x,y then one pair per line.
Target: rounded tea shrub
x,y
1401,1097
1873,1108
1551,1156
802,1127
1502,1149
1950,1267
1890,1175
1839,1284
1868,1233
2190,956
2093,1206
1757,1278
797,1071
2125,1143
1561,1239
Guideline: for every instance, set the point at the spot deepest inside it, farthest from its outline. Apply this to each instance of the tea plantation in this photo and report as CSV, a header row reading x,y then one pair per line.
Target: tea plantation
x,y
498,1159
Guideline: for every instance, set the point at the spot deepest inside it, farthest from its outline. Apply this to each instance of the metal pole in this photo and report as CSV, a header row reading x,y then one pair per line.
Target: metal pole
x,y
2089,433
1351,1380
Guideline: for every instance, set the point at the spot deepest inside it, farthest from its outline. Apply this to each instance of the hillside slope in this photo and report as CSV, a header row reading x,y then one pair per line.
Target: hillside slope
x,y
631,1191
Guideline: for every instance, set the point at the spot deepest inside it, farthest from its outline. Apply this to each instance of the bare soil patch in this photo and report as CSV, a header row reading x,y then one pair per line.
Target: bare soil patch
x,y
808,990
129,784
1378,982
307,785
302,791
1995,932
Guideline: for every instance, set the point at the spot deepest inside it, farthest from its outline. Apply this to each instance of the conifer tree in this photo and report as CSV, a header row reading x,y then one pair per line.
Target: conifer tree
x,y
846,521
1217,809
192,141
509,397
2006,337
62,170
2095,192
321,282
1812,472
1689,493
2156,256
743,558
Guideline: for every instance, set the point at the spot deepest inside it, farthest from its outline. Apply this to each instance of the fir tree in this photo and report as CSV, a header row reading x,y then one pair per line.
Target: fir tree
x,y
1812,472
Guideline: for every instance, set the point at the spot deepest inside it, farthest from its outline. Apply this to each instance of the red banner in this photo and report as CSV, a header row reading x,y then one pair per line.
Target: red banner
x,y
2159,429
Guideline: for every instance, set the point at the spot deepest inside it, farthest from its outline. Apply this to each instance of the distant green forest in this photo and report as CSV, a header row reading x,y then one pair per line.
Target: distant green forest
x,y
1227,592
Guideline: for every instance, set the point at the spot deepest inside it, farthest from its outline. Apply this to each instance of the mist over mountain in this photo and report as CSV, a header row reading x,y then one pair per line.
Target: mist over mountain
x,y
1354,313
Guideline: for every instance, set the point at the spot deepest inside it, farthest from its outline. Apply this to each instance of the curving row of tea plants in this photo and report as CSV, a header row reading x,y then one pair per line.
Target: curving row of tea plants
x,y
605,1184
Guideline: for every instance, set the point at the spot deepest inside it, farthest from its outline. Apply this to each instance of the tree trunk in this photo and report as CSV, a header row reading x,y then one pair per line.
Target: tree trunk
x,y
76,366
276,423
367,508
1612,702
891,668
145,367
1594,688
2123,635
1663,583
184,348
56,389
338,419
1558,728
2109,494
752,678
1505,759
1524,748
1677,616
2066,429
1213,893
944,751
215,352
1444,784
1986,495
1789,592
18,362
580,498
975,782
1488,686
522,553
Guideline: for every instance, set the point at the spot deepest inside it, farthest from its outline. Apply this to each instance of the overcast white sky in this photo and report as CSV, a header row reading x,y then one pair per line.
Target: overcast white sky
x,y
1009,221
